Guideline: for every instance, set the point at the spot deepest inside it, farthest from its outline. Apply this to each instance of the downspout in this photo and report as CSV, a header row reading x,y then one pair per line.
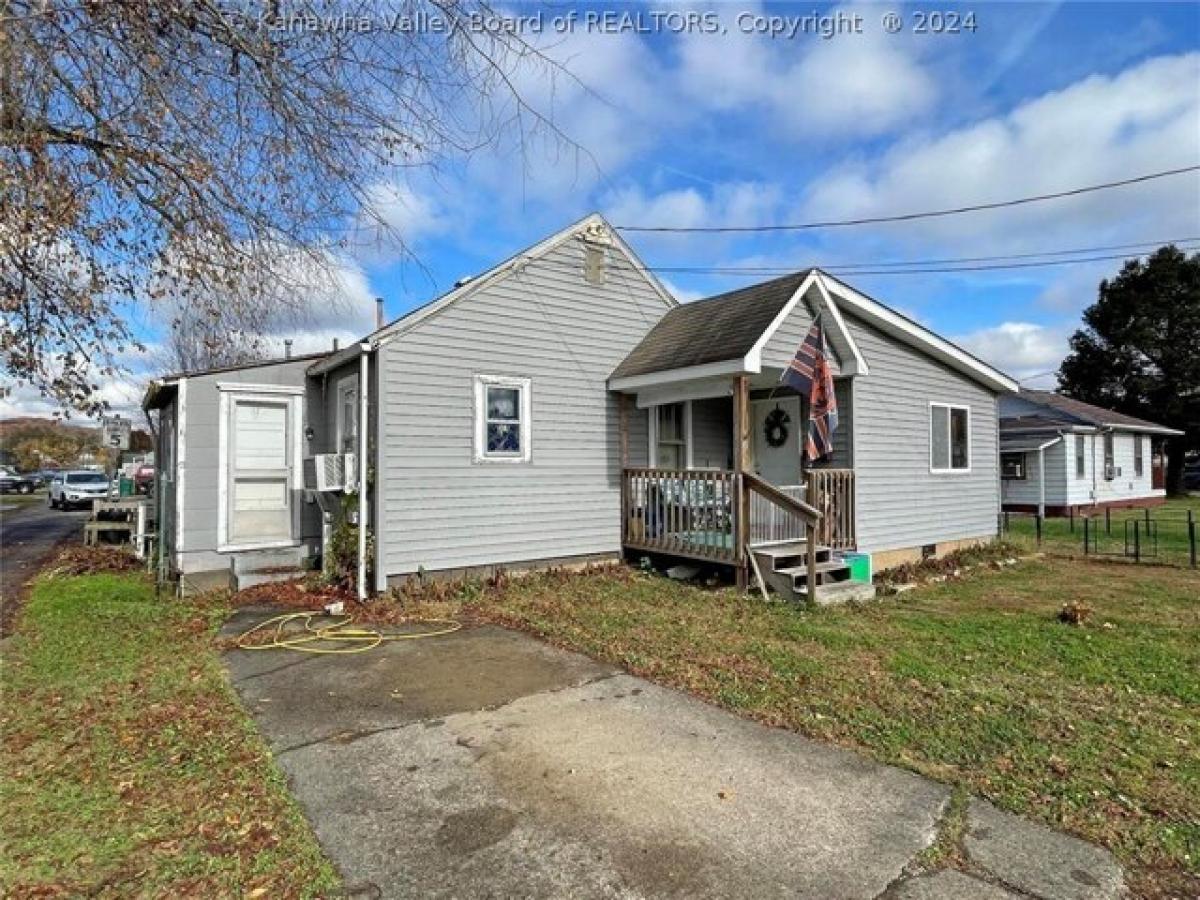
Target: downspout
x,y
363,406
1042,481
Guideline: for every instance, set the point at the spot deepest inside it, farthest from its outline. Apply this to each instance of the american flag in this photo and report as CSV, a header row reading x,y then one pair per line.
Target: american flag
x,y
810,375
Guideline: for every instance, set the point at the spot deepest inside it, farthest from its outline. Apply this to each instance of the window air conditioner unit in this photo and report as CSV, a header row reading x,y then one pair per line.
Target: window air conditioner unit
x,y
325,472
1111,472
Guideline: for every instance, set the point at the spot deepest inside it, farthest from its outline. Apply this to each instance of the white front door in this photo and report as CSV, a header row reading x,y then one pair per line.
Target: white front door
x,y
260,472
777,455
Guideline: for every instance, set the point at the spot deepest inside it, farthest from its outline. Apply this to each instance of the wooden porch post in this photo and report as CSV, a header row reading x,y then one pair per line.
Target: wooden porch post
x,y
741,460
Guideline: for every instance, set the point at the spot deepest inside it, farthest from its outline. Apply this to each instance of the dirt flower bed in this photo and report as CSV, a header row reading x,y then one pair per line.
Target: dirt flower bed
x,y
995,554
78,560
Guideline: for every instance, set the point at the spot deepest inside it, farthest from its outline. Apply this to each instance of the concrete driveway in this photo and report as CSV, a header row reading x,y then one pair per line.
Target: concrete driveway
x,y
487,764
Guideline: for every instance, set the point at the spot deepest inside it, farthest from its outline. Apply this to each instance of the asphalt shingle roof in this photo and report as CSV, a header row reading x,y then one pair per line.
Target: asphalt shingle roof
x,y
1086,412
711,330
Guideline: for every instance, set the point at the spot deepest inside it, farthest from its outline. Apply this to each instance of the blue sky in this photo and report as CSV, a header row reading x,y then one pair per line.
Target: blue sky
x,y
734,129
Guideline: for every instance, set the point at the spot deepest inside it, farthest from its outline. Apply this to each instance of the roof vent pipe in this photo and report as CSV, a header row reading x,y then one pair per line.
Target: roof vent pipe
x,y
378,312
287,348
335,345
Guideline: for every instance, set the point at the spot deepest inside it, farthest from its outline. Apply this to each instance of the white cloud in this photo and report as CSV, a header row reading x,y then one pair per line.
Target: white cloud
x,y
1022,349
850,85
1097,130
410,214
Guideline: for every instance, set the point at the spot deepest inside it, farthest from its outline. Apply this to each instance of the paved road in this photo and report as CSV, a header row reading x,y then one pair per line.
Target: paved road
x,y
29,532
487,764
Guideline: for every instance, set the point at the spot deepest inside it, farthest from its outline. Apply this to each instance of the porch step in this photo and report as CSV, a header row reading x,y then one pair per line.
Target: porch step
x,y
777,557
256,560
828,571
839,592
243,580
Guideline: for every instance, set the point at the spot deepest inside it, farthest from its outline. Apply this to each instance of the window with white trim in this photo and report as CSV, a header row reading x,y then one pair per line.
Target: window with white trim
x,y
1139,464
1080,456
670,444
347,417
949,438
503,418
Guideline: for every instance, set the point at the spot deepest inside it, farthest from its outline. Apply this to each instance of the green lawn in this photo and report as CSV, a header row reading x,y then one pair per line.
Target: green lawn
x,y
129,768
1167,544
974,682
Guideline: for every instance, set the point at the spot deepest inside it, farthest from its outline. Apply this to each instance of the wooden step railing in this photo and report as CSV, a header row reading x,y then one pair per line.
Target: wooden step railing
x,y
831,491
809,516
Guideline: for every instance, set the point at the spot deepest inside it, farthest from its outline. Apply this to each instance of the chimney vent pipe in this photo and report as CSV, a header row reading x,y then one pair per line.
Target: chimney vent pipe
x,y
378,312
287,348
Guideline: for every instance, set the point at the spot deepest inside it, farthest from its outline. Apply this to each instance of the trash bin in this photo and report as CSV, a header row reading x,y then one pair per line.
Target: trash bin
x,y
125,487
860,566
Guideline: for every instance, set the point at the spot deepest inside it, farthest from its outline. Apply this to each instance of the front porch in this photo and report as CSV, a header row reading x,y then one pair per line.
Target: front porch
x,y
723,480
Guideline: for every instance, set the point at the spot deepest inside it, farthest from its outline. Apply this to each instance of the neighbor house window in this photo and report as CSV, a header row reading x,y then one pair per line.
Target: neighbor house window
x,y
949,438
1110,470
1012,466
1080,456
502,419
1137,455
670,436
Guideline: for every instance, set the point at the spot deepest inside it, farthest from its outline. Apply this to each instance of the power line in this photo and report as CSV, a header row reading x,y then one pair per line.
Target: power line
x,y
916,267
905,217
848,266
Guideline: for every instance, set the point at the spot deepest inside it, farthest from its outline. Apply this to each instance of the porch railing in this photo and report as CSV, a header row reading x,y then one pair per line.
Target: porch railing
x,y
832,492
695,513
688,513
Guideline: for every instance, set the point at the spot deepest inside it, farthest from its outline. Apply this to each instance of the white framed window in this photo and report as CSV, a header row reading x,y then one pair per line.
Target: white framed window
x,y
503,419
1080,456
1139,464
949,438
1012,466
671,435
347,416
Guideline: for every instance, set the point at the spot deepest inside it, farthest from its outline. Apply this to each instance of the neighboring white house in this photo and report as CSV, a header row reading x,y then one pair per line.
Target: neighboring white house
x,y
1059,455
563,407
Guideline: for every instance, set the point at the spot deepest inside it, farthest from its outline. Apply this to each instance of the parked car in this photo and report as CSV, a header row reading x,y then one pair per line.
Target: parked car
x,y
13,482
77,489
1191,476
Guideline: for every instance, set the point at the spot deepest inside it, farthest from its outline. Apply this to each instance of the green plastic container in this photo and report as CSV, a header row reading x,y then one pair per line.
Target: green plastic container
x,y
125,486
860,566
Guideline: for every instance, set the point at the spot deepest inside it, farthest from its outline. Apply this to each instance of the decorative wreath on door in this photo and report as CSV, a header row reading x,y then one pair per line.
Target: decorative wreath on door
x,y
775,427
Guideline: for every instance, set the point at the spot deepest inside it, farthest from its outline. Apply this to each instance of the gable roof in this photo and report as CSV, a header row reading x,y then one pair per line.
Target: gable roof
x,y
467,287
726,326
1077,412
719,332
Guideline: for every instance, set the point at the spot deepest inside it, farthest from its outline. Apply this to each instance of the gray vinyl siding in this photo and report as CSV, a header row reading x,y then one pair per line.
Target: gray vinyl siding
x,y
779,351
712,433
901,504
545,322
200,456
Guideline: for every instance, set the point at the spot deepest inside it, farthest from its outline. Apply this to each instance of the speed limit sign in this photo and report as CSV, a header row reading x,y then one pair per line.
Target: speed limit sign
x,y
115,433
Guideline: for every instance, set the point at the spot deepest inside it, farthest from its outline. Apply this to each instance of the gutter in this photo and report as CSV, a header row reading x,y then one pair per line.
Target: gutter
x,y
364,387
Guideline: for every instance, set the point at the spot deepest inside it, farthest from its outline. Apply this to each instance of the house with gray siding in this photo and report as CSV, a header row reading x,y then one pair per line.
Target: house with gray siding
x,y
1060,456
563,407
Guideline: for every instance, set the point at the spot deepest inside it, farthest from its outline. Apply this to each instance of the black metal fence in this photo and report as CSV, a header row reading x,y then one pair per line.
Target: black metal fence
x,y
1167,537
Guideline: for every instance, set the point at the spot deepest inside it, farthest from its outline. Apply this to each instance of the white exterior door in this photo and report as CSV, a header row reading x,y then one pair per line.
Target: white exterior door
x,y
260,471
780,465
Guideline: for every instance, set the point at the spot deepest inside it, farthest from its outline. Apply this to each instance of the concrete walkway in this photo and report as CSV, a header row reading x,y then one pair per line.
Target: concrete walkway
x,y
487,764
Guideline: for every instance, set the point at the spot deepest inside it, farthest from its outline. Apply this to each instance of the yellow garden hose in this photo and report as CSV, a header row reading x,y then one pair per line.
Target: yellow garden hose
x,y
357,640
